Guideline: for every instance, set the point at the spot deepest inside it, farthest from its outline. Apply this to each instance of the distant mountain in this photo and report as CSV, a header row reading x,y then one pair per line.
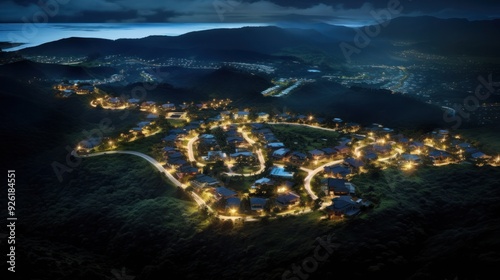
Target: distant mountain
x,y
28,69
256,42
302,41
445,36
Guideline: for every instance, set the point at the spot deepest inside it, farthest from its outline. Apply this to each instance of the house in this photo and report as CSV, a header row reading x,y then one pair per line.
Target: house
x,y
186,170
355,164
170,139
439,156
329,151
202,181
225,115
298,157
243,156
382,149
133,101
175,154
256,126
233,205
168,107
257,203
275,145
336,186
258,184
337,171
352,127
280,153
89,143
241,115
169,150
289,199
281,173
416,147
370,156
263,116
235,141
268,138
343,205
215,155
342,150
147,105
176,162
409,158
223,193
479,156
316,154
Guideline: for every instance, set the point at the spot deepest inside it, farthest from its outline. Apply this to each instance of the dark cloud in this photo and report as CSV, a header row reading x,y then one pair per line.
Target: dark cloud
x,y
90,16
241,10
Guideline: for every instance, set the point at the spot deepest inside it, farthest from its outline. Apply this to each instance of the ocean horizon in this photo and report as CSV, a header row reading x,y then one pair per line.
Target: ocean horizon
x,y
31,35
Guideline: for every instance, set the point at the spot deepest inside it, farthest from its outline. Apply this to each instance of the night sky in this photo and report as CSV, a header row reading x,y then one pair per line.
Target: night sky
x,y
344,12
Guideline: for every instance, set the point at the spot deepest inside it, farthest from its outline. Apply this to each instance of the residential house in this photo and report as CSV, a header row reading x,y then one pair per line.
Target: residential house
x,y
354,164
438,156
336,186
201,181
287,200
342,150
281,153
241,115
298,158
257,203
280,172
263,116
275,145
343,205
233,205
338,171
316,154
168,107
186,170
223,193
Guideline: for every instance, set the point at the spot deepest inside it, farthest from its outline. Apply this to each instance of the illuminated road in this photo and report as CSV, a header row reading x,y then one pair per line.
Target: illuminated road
x,y
301,124
176,182
260,157
191,151
312,173
160,168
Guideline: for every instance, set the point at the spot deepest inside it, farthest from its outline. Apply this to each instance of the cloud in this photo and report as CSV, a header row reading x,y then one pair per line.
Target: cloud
x,y
335,11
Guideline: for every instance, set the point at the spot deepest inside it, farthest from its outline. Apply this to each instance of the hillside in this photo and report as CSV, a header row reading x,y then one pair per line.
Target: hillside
x,y
26,69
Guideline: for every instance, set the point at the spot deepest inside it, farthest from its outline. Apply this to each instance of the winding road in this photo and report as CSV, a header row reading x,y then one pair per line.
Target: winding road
x,y
172,179
312,173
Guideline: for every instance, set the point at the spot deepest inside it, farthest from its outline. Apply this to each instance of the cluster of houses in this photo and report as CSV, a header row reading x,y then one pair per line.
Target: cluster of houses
x,y
209,145
67,89
279,152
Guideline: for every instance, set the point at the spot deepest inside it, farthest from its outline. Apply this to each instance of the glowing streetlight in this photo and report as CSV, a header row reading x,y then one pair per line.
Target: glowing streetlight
x,y
232,211
110,142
